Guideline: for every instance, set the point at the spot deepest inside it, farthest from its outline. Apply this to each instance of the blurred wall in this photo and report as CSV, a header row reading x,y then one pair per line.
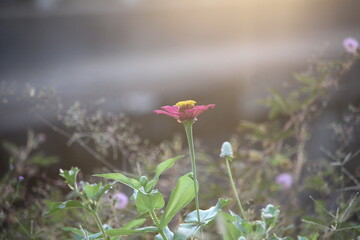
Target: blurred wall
x,y
140,55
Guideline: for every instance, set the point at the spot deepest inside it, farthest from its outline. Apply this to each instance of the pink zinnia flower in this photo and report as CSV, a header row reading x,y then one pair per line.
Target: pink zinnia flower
x,y
285,180
184,110
121,200
351,45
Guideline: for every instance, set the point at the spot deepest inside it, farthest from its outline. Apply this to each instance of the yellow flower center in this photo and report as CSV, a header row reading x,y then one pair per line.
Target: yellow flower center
x,y
188,104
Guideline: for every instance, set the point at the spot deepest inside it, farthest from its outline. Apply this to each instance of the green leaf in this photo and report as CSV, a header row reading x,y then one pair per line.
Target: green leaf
x,y
208,215
92,236
246,227
270,214
80,234
96,190
181,196
237,217
169,235
73,230
302,238
122,232
260,227
70,176
91,190
227,228
133,183
254,230
103,190
134,223
314,221
126,229
162,167
146,202
316,235
186,230
55,206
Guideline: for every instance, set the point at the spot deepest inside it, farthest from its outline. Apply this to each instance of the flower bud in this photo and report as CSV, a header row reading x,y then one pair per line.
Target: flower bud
x,y
143,180
226,150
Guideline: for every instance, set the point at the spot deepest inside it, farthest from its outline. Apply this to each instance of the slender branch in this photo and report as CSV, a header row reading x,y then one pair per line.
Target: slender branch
x,y
85,146
157,223
234,189
100,225
300,158
189,135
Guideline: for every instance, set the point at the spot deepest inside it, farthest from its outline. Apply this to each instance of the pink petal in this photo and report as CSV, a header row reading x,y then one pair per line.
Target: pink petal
x,y
197,110
186,115
174,115
190,114
204,107
171,109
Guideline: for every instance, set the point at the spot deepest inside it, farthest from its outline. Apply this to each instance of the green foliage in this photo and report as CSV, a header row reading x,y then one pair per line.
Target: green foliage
x,y
124,232
134,223
82,234
55,206
335,223
146,202
70,177
162,167
168,234
234,227
269,215
134,183
228,230
191,226
96,190
181,196
262,151
206,216
119,177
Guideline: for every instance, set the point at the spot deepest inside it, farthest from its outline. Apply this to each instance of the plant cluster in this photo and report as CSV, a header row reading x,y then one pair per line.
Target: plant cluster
x,y
264,167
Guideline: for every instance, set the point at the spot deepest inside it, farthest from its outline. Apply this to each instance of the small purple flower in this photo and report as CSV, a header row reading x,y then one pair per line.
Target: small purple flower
x,y
41,137
121,200
285,180
21,178
351,45
80,184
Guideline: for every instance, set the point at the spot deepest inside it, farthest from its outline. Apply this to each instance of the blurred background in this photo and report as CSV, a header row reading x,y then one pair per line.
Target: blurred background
x,y
139,55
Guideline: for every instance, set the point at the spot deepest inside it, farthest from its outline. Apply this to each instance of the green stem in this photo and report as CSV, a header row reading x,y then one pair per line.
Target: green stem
x,y
100,225
23,228
189,135
157,223
234,189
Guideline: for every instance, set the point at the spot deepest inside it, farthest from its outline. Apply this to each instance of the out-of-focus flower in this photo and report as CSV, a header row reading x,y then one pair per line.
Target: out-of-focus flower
x,y
121,200
41,137
285,180
80,184
21,178
226,150
184,110
255,156
351,45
